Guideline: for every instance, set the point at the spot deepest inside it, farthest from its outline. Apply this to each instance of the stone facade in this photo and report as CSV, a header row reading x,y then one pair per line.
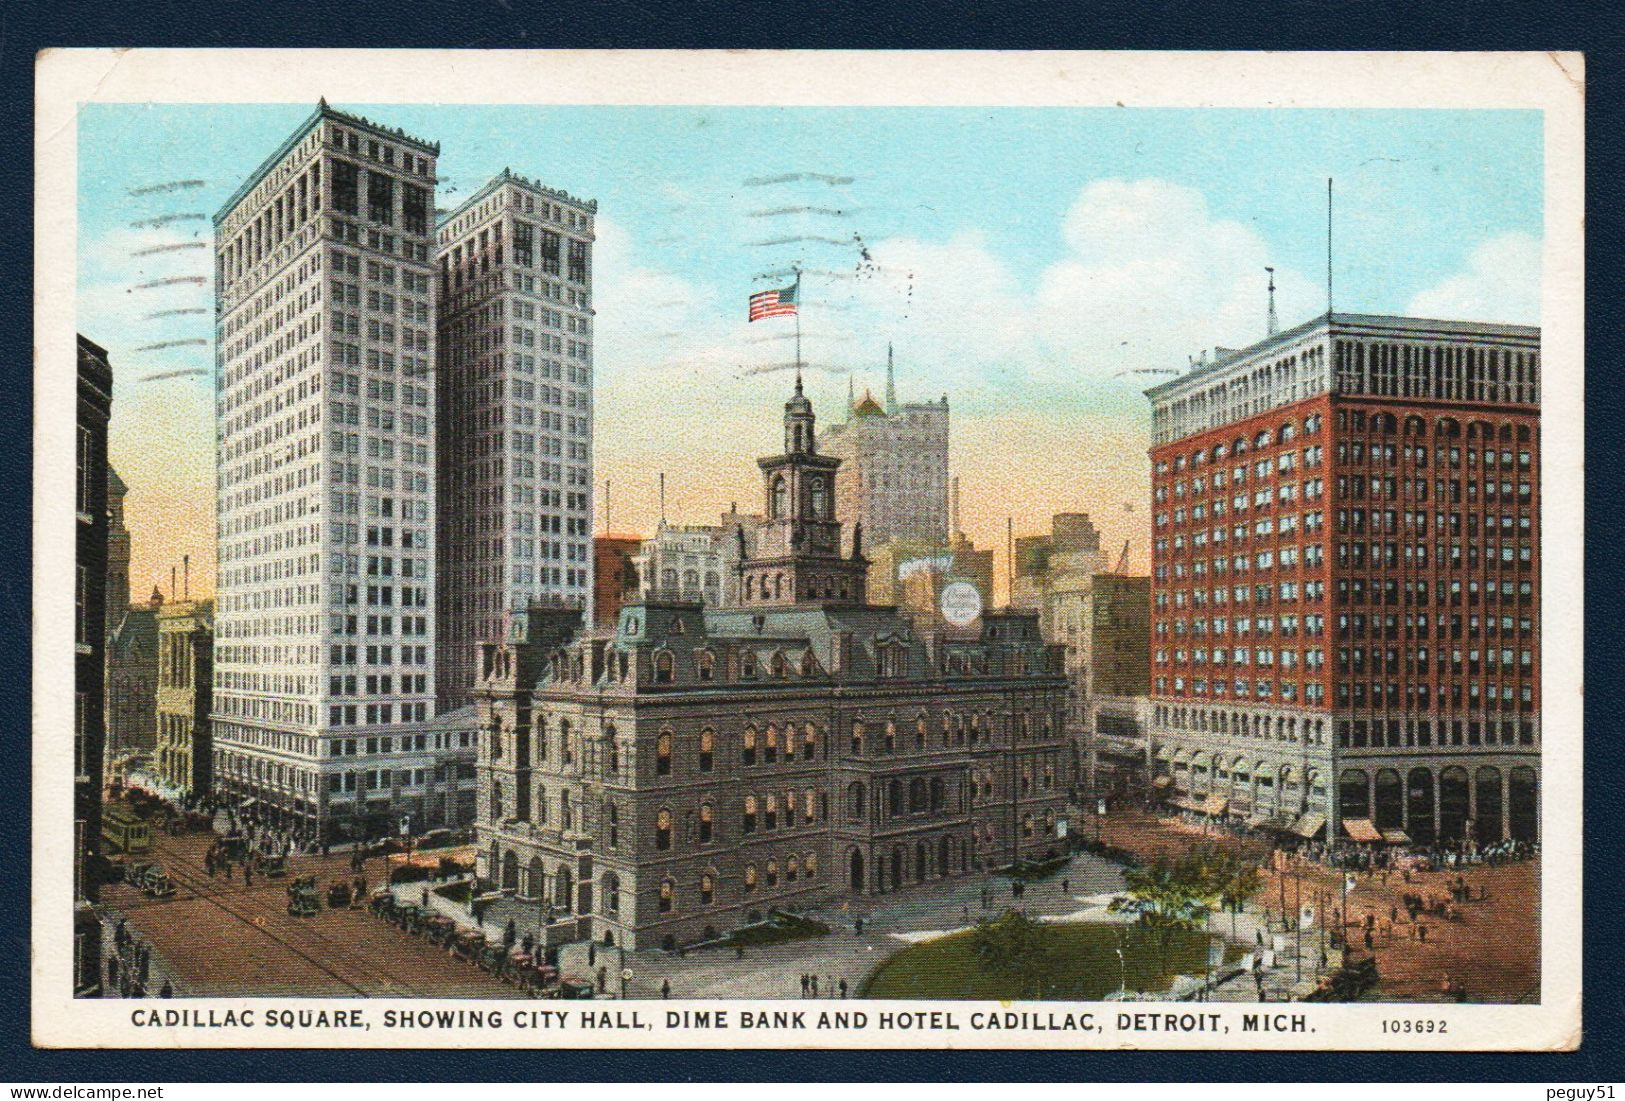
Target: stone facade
x,y
515,334
185,665
696,767
94,407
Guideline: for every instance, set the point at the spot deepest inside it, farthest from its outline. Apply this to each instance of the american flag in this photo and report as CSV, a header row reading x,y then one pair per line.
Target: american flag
x,y
779,303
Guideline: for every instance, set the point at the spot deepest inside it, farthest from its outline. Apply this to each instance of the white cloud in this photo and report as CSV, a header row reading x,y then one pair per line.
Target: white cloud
x,y
1501,283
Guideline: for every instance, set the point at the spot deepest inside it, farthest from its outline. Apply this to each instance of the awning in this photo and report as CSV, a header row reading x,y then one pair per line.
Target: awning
x,y
1396,837
1309,825
1215,804
1258,821
1193,805
1162,781
1361,829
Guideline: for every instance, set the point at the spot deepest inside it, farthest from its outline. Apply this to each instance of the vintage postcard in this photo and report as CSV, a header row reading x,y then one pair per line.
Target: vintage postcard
x,y
808,550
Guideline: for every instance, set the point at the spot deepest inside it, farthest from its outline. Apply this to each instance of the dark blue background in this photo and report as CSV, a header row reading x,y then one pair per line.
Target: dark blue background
x,y
1595,28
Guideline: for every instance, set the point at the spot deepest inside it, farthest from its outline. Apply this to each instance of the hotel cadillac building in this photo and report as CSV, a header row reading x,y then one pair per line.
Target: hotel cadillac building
x,y
1345,583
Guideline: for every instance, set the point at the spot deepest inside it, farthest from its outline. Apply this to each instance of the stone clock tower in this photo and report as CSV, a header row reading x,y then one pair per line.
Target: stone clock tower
x,y
798,550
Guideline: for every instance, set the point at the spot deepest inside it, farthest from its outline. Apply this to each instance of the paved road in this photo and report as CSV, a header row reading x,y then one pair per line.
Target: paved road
x,y
223,938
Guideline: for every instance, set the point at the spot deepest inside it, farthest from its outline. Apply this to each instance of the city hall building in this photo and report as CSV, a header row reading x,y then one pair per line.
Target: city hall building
x,y
1346,582
694,767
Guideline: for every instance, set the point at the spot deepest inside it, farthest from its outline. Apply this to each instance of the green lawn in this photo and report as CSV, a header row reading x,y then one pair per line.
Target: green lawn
x,y
1081,959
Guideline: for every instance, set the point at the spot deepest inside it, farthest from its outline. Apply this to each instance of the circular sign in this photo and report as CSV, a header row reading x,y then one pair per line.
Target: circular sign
x,y
961,603
626,973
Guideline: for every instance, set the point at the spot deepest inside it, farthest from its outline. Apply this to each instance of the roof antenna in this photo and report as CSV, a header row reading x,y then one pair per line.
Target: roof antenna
x,y
891,384
1328,246
662,498
1274,322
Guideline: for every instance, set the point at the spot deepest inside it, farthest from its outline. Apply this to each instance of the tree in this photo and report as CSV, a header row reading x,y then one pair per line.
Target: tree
x,y
1167,897
1016,946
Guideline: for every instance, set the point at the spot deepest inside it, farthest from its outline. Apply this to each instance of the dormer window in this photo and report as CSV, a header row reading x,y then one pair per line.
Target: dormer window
x,y
665,665
706,666
890,657
747,666
808,665
781,667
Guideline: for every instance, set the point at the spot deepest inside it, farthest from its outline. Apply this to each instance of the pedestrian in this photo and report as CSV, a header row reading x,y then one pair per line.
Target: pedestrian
x,y
806,983
843,988
603,977
1393,915
967,913
1368,941
1422,933
830,986
112,971
815,986
592,954
665,989
739,951
1258,934
510,934
166,991
425,898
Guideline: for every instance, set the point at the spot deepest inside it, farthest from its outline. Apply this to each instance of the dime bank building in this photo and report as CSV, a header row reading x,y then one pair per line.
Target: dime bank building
x,y
689,769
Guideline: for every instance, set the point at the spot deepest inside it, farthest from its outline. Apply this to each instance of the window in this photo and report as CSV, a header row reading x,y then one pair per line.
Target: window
x,y
663,829
748,746
664,666
663,754
668,896
706,666
750,878
380,198
809,743
748,823
778,498
708,739
707,888
707,814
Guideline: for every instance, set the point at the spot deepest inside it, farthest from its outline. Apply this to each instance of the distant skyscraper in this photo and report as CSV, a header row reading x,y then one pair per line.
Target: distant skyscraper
x,y
515,332
325,613
894,467
118,550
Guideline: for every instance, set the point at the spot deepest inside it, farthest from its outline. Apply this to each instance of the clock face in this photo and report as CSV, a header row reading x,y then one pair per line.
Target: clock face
x,y
961,603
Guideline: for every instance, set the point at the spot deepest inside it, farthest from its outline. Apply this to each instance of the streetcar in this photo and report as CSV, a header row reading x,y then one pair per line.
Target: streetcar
x,y
123,832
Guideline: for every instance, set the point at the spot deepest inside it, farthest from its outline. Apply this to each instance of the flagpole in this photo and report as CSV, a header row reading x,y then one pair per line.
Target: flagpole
x,y
798,324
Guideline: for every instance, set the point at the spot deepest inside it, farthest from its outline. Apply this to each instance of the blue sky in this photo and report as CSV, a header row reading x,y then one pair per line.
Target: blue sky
x,y
1020,259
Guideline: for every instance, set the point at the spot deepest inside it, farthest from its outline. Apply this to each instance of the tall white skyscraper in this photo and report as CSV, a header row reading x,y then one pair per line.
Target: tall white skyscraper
x,y
515,372
325,405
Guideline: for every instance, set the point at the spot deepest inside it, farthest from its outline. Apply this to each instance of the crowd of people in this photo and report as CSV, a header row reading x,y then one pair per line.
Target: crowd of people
x,y
129,967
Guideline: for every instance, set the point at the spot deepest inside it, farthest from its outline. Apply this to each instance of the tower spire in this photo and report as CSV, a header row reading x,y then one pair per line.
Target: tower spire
x,y
851,396
1274,322
891,383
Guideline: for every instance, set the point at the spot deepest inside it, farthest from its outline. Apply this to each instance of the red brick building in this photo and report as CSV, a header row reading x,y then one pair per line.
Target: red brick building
x,y
614,576
1345,582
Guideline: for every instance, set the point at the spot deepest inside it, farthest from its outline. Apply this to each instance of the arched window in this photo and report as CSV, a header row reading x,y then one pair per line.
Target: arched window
x,y
612,893
747,665
856,803
663,754
808,666
811,865
708,742
916,795
1027,825
496,800
780,667
612,814
708,887
772,872
663,829
809,805
668,896
792,869
567,818
612,751
857,737
809,743
770,744
770,808
920,727
707,814
894,798
541,804
819,499
665,664
748,823
750,878
706,664
747,751
891,737
778,498
564,883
